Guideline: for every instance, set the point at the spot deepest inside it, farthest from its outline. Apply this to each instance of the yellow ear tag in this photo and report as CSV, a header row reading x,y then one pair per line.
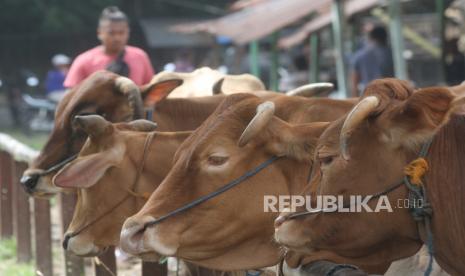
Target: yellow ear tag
x,y
415,170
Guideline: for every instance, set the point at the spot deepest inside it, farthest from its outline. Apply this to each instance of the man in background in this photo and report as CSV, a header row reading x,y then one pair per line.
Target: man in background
x,y
113,54
372,62
55,78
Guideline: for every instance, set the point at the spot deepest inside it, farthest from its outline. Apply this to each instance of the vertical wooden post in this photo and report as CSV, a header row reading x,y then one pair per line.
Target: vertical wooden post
x,y
338,33
254,58
74,265
440,9
43,237
109,262
22,217
154,269
314,69
397,41
274,62
6,198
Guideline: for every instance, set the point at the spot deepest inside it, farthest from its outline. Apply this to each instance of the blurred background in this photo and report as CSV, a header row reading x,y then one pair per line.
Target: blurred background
x,y
285,43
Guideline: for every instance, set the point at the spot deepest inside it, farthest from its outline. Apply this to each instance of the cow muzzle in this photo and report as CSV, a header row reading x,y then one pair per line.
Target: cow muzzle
x,y
287,231
145,243
80,247
36,184
29,182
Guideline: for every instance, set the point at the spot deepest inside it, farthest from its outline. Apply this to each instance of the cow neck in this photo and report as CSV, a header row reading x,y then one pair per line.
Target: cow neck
x,y
131,193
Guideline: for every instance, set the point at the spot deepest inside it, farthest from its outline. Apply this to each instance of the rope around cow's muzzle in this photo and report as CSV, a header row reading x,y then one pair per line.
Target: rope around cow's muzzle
x,y
58,166
211,195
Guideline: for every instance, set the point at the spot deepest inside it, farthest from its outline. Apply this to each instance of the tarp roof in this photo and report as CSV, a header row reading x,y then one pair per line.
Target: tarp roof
x,y
158,34
324,19
256,21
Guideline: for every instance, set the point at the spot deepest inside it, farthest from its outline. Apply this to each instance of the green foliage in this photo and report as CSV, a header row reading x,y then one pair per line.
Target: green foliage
x,y
39,17
7,249
50,16
8,265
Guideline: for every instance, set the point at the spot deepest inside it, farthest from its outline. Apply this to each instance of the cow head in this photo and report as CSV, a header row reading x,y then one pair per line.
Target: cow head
x,y
203,82
365,153
103,203
232,226
107,94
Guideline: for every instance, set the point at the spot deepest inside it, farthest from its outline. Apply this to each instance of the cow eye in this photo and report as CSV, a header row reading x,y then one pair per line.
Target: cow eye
x,y
326,160
215,160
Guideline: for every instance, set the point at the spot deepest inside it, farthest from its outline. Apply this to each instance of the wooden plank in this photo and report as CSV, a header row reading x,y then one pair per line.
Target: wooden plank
x,y
314,57
254,56
74,265
338,34
108,265
154,269
22,217
43,236
6,197
397,41
274,78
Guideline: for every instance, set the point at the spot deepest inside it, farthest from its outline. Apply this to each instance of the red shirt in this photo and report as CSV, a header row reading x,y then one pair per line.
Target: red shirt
x,y
140,68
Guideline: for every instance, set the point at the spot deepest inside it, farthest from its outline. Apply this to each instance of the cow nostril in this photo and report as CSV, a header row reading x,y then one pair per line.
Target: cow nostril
x,y
29,181
66,241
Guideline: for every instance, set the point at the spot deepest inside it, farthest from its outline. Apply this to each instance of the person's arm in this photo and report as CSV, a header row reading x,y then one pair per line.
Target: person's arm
x,y
355,75
354,82
48,82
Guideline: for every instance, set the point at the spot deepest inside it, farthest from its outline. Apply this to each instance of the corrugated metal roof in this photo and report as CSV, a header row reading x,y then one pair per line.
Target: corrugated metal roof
x,y
324,19
257,21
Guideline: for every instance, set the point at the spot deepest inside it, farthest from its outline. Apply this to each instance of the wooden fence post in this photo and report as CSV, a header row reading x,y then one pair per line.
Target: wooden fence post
x,y
154,269
6,198
109,262
22,216
43,237
74,265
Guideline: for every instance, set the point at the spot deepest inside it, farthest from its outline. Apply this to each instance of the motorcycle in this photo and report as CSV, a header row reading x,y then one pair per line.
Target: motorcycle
x,y
36,111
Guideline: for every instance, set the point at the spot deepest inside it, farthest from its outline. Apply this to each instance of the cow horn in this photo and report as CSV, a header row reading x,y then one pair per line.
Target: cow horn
x,y
359,113
312,89
143,125
93,125
218,87
265,112
132,91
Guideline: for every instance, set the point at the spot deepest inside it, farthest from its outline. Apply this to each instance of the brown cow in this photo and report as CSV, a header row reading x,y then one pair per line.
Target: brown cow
x,y
365,153
107,147
231,231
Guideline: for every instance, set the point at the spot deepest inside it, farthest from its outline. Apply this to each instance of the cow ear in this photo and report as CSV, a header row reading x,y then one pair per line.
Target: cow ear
x,y
85,171
419,117
294,141
153,93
